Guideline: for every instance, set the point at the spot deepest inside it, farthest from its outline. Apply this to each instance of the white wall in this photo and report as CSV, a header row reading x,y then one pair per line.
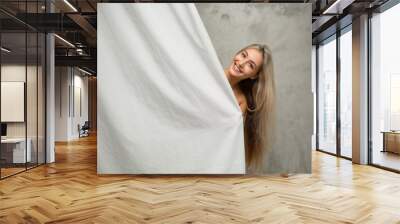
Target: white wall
x,y
61,103
69,82
79,117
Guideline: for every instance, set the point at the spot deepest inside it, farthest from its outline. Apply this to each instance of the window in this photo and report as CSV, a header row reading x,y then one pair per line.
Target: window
x,y
346,93
385,88
327,96
22,80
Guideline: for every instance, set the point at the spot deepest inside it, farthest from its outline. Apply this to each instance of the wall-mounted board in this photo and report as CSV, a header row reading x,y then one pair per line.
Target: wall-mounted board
x,y
12,101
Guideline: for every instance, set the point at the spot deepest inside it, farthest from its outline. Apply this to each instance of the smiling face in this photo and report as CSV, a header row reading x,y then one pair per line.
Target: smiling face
x,y
246,64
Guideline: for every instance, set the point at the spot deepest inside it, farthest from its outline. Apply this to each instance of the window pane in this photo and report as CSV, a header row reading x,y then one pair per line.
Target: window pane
x,y
314,91
14,150
327,97
346,94
41,98
31,100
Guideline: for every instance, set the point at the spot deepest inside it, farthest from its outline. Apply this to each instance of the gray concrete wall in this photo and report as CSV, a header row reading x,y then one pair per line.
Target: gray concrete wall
x,y
286,29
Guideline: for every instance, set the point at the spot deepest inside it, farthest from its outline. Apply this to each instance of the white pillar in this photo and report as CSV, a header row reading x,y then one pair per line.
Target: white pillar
x,y
360,90
50,93
50,79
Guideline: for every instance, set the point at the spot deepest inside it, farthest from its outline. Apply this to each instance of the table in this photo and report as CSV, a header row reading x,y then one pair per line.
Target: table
x,y
391,141
15,148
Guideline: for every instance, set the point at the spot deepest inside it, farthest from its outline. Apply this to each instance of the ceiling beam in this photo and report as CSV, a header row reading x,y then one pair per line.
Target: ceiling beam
x,y
84,24
83,61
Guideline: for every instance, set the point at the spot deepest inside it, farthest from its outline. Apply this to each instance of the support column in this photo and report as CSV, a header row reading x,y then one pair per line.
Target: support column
x,y
360,90
50,92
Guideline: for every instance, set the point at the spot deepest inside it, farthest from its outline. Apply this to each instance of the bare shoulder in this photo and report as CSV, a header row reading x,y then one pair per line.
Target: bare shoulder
x,y
241,98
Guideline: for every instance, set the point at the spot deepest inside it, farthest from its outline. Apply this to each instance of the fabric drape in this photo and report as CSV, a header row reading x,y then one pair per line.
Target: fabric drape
x,y
164,103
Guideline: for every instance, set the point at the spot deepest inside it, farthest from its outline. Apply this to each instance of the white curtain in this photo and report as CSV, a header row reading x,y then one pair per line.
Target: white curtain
x,y
164,103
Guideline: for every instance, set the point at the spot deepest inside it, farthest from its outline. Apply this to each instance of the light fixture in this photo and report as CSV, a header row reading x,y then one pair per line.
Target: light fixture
x,y
331,7
64,40
70,5
84,71
5,50
80,51
338,6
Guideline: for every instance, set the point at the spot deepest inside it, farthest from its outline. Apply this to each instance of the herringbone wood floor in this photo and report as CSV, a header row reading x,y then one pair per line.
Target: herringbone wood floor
x,y
70,191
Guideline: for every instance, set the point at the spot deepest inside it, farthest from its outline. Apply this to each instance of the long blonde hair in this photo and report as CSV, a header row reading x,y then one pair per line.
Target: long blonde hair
x,y
260,96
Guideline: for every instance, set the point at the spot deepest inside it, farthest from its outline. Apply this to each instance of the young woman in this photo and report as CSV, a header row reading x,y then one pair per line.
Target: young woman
x,y
251,77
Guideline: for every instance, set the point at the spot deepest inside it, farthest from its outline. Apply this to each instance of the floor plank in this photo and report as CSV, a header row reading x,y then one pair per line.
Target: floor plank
x,y
70,191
